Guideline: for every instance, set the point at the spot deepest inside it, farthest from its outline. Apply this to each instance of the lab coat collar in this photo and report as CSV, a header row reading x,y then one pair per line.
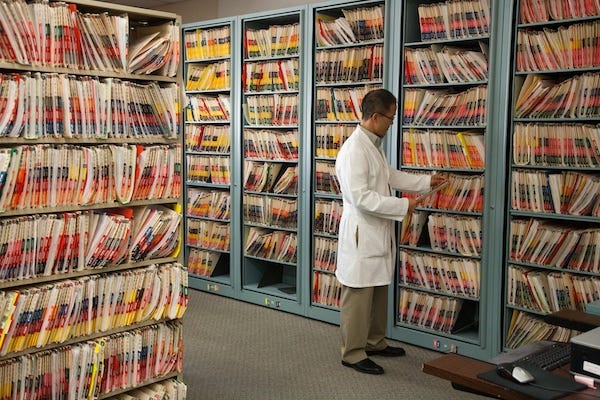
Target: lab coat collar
x,y
376,140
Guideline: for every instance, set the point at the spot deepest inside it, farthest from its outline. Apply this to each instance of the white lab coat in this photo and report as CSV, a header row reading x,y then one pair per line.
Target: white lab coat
x,y
367,245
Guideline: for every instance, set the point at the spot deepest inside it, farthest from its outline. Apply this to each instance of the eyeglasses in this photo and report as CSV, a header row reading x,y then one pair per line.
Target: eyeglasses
x,y
387,116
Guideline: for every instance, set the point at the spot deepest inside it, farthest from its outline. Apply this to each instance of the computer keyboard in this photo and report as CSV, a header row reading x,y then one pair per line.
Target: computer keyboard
x,y
548,358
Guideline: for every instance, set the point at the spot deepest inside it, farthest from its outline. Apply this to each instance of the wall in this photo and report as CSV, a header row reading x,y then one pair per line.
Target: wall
x,y
191,11
229,8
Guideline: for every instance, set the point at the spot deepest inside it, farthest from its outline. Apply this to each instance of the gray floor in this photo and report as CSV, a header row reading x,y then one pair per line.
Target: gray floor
x,y
236,350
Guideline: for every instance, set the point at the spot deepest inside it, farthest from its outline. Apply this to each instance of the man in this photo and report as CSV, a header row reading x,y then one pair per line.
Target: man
x,y
366,245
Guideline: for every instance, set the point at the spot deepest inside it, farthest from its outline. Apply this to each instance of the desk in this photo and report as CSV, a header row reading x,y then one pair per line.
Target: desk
x,y
463,371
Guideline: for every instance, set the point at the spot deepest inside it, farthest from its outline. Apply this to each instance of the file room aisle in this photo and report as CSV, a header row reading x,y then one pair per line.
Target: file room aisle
x,y
235,350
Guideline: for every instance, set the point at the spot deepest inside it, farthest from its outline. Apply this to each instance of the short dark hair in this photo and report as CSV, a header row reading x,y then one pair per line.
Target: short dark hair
x,y
376,101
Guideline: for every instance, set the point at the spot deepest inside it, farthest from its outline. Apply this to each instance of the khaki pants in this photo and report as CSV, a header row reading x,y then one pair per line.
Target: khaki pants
x,y
363,321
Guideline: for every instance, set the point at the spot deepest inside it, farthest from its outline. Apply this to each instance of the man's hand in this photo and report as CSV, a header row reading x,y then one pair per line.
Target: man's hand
x,y
437,180
412,204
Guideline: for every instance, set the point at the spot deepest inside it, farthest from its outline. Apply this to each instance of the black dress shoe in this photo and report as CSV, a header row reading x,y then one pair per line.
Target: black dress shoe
x,y
366,366
387,352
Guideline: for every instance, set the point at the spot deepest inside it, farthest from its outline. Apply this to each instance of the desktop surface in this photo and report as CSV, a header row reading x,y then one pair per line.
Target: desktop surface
x,y
463,373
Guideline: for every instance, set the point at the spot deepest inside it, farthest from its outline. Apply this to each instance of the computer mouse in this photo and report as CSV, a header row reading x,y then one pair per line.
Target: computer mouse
x,y
515,374
521,375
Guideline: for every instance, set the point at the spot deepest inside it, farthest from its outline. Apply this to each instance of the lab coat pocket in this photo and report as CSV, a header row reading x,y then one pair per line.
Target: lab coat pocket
x,y
372,239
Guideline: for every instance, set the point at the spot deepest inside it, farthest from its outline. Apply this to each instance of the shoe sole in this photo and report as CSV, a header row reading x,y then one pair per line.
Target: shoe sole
x,y
347,364
376,353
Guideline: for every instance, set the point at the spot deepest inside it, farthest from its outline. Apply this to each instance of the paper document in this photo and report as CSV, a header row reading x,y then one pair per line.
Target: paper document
x,y
432,191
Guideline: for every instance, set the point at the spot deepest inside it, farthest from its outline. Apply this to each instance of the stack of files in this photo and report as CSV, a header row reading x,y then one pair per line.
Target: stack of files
x,y
331,31
366,23
526,328
443,148
271,211
327,290
202,262
412,228
92,176
557,49
421,66
438,313
277,40
103,39
73,372
171,389
43,245
53,313
158,172
215,76
156,232
220,170
109,237
125,160
548,292
202,44
276,109
439,64
451,275
215,204
520,291
272,245
58,35
270,144
203,108
269,76
53,244
573,145
554,245
463,193
287,183
208,169
341,104
574,97
357,25
153,351
261,176
443,108
325,178
325,253
57,105
210,235
157,110
154,49
208,138
454,19
328,214
540,11
356,64
329,139
455,234
567,192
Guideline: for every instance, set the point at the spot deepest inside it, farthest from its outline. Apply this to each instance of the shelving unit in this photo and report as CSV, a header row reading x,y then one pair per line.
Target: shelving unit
x,y
551,263
444,261
272,79
209,62
90,210
349,59
462,138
